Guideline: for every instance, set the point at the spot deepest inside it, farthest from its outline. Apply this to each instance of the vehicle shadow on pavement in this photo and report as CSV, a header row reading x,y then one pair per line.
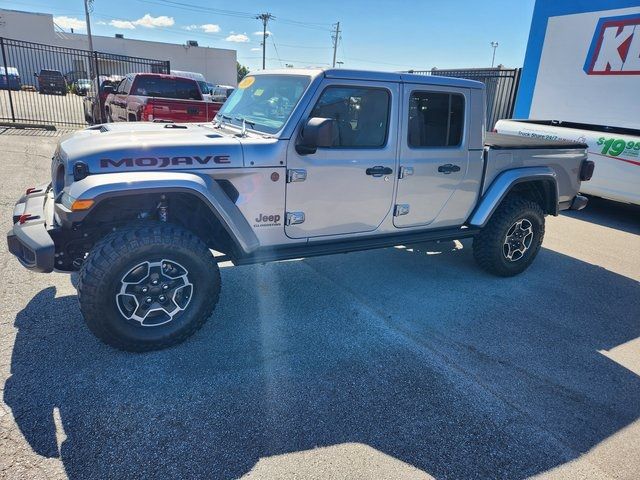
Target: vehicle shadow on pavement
x,y
411,351
607,213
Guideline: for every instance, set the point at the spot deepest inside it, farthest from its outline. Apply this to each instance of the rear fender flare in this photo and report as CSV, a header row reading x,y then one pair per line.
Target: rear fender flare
x,y
504,183
110,185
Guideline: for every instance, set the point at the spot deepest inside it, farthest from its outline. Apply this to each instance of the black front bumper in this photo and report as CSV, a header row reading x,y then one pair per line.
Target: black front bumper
x,y
30,241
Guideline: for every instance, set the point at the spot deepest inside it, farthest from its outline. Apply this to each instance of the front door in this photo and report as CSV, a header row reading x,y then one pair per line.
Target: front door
x,y
346,188
434,153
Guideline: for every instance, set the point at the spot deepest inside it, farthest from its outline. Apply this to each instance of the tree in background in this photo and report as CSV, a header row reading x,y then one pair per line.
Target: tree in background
x,y
242,71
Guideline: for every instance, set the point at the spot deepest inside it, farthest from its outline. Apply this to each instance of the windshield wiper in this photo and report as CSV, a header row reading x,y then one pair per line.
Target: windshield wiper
x,y
248,122
223,118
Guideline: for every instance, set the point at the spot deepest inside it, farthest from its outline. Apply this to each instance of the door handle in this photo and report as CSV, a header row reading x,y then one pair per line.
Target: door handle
x,y
448,168
378,171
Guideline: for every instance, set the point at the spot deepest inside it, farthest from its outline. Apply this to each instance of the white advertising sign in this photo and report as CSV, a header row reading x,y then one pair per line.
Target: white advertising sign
x,y
590,69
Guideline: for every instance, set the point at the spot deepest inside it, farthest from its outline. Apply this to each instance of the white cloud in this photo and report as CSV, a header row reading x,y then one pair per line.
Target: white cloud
x,y
237,38
70,22
210,28
151,22
122,24
256,49
260,33
206,28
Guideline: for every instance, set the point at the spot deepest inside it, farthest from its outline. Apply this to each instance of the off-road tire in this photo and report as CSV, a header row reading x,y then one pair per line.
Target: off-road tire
x,y
109,261
489,243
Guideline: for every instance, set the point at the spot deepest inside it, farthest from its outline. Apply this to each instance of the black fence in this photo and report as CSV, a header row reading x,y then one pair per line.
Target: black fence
x,y
501,84
51,86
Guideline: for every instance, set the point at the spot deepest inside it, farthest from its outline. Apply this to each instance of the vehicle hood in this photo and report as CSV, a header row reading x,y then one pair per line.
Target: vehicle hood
x,y
129,147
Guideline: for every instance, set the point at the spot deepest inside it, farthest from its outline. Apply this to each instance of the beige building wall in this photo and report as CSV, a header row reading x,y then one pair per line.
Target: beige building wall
x,y
218,65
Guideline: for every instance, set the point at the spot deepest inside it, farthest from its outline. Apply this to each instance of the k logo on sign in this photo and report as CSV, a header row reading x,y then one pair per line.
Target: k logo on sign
x,y
615,48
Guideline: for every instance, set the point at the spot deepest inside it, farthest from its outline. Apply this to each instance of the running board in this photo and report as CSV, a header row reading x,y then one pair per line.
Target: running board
x,y
330,247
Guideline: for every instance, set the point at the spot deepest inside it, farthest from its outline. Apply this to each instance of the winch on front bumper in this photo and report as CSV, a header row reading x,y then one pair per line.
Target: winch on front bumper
x,y
30,238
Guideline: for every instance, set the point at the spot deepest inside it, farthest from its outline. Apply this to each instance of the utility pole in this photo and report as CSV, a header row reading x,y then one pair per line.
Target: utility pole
x,y
265,17
494,45
93,67
336,38
86,14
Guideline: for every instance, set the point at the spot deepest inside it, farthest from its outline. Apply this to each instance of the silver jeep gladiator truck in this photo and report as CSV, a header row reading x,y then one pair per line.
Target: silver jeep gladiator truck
x,y
297,163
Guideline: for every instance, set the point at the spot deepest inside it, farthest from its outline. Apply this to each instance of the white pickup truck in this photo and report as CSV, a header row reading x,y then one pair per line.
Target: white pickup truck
x,y
615,152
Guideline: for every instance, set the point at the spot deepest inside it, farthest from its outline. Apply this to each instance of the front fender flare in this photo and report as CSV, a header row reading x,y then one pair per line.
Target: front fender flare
x,y
110,185
503,184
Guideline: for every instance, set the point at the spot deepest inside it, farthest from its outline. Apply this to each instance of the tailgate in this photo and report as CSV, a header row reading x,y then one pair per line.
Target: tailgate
x,y
172,110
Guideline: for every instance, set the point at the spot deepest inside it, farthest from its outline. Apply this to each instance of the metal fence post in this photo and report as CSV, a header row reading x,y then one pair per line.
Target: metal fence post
x,y
6,76
94,60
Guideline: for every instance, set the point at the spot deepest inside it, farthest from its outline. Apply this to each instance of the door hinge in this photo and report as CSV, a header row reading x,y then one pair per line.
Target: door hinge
x,y
405,172
401,209
296,175
294,218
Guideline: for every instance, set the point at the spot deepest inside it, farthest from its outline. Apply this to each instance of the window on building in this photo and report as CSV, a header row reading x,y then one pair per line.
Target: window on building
x,y
361,115
435,119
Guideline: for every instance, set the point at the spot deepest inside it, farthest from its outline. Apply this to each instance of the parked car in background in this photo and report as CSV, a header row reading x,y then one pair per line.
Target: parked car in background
x,y
73,75
94,103
10,79
221,93
51,81
157,97
82,86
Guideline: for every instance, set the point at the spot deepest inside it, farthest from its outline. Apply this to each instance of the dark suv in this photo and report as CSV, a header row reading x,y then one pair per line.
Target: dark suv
x,y
51,81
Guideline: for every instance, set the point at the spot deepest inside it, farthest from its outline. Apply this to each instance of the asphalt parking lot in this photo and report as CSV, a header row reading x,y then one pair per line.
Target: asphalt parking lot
x,y
398,363
33,107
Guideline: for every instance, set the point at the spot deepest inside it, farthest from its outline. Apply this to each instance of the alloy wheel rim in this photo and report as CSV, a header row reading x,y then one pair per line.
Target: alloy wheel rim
x,y
517,240
154,293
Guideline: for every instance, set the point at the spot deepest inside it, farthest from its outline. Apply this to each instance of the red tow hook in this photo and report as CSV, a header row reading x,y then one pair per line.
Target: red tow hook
x,y
31,190
26,216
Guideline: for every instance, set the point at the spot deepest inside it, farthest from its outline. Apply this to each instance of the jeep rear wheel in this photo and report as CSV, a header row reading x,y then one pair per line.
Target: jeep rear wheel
x,y
511,239
148,287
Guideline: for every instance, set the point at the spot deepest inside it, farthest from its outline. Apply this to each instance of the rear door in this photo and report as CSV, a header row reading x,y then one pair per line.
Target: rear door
x,y
347,188
433,150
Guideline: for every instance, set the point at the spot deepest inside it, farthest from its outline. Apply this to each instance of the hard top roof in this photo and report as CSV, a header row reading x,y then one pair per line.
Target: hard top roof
x,y
370,75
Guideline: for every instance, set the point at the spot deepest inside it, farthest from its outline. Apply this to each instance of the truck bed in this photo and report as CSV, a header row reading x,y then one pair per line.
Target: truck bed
x,y
499,141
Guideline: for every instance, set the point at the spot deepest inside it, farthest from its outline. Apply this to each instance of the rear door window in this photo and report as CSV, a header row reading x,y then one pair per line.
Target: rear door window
x,y
436,119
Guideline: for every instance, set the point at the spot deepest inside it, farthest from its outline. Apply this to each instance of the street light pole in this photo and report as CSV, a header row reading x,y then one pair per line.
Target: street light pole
x,y
494,45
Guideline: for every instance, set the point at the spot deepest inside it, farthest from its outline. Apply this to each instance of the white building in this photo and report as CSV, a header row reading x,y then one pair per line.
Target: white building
x,y
218,65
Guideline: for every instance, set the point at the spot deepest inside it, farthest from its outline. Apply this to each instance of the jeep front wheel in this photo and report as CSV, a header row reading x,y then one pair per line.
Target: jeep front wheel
x,y
148,287
511,239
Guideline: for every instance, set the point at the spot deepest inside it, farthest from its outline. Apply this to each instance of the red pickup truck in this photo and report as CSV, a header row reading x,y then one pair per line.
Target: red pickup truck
x,y
155,97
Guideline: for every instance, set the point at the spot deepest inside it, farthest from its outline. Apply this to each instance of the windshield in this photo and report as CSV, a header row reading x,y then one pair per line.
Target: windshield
x,y
265,102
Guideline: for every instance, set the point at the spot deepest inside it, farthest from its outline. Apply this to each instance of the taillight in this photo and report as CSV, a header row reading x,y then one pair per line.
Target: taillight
x,y
147,112
26,216
586,170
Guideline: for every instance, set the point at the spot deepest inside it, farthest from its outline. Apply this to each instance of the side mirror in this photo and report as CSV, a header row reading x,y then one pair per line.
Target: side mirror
x,y
317,132
35,74
108,89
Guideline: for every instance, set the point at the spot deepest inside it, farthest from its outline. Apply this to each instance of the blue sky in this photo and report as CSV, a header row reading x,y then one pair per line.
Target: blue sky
x,y
381,35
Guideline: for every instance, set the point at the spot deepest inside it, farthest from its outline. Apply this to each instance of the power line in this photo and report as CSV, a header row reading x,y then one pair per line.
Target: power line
x,y
276,49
